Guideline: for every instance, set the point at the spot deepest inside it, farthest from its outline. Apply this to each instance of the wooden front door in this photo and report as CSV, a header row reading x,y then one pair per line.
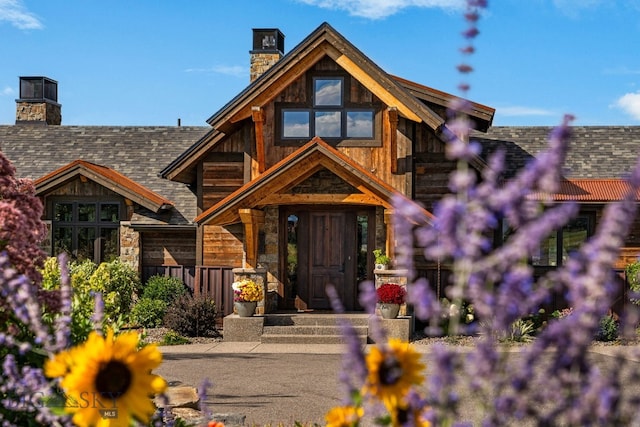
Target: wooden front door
x,y
327,256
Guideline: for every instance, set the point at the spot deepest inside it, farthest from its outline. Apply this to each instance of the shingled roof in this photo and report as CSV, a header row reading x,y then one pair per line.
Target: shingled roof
x,y
137,152
596,152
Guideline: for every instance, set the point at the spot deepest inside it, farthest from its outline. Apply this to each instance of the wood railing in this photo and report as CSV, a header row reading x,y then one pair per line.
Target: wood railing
x,y
209,281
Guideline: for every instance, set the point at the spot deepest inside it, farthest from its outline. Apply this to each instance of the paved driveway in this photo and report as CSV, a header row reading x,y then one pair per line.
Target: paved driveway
x,y
272,384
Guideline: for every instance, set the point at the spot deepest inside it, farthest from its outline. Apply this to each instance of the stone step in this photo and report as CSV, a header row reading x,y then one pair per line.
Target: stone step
x,y
306,339
310,330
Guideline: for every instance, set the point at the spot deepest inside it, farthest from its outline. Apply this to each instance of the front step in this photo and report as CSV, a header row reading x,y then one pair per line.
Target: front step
x,y
308,328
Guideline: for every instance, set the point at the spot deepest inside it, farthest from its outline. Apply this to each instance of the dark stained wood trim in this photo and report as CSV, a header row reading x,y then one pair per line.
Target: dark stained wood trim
x,y
302,199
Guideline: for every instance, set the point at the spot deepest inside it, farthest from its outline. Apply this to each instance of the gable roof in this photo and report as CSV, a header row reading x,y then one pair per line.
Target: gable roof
x,y
324,41
106,177
482,115
136,152
271,187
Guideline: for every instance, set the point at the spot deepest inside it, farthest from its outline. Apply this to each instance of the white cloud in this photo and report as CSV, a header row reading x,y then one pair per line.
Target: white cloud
x,y
523,111
229,70
14,12
378,9
630,104
7,91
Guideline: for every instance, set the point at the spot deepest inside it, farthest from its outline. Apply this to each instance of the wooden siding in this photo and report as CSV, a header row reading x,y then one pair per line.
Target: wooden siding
x,y
168,248
222,174
373,158
431,178
83,188
223,245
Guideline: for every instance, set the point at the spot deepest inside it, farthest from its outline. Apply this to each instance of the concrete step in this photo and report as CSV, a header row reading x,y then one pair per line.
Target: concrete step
x,y
306,339
311,328
307,319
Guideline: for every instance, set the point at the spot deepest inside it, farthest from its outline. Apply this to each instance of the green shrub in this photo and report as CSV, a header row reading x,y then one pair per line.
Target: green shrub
x,y
115,281
608,329
174,338
522,330
148,312
164,288
632,272
192,316
118,282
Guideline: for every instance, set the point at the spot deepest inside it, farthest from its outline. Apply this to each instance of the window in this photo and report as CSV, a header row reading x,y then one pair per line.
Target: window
x,y
330,116
555,250
86,229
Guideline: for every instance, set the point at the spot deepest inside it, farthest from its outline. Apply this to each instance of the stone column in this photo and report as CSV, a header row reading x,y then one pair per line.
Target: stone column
x,y
130,246
258,275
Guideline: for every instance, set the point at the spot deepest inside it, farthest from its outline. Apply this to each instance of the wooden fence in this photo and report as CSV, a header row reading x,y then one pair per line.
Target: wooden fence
x,y
210,281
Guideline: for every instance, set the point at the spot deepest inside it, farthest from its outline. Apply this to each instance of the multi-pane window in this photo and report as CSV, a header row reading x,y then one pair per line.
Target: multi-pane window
x,y
556,249
86,229
330,116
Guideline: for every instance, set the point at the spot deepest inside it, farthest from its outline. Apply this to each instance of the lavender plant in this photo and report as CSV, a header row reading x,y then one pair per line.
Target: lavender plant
x,y
552,381
26,336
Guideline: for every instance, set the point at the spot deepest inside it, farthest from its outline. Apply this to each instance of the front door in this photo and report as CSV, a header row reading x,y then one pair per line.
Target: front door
x,y
326,256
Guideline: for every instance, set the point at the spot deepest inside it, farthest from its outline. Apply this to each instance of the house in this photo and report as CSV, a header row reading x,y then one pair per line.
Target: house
x,y
290,182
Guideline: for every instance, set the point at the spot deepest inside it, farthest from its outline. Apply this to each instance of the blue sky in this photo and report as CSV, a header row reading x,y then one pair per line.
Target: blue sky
x,y
150,62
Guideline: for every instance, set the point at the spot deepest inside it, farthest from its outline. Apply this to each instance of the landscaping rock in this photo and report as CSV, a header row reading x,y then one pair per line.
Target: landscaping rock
x,y
180,397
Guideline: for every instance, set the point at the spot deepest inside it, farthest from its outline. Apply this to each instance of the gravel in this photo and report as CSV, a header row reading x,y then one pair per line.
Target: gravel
x,y
156,335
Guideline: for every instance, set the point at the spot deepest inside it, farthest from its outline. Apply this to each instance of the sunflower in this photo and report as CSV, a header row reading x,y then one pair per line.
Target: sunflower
x,y
392,370
107,381
344,416
403,414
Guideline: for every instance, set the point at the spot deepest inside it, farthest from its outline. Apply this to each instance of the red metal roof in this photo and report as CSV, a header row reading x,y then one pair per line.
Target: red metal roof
x,y
590,190
108,177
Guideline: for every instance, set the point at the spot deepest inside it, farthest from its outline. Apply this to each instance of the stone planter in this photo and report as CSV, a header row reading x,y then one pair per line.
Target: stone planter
x,y
389,311
245,308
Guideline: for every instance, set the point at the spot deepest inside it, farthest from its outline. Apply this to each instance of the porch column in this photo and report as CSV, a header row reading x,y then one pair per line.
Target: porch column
x,y
253,221
389,246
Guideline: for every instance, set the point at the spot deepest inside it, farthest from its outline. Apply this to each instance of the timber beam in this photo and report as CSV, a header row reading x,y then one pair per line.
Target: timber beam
x,y
392,117
253,221
257,114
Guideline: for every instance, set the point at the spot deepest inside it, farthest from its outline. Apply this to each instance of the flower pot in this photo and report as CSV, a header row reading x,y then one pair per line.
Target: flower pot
x,y
389,311
381,266
245,308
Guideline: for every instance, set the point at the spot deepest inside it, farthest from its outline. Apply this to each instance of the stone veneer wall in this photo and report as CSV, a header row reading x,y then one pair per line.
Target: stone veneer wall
x,y
46,112
258,275
261,62
130,245
269,257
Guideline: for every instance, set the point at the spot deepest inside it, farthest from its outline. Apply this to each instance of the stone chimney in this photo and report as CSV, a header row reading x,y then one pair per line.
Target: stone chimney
x,y
268,48
38,102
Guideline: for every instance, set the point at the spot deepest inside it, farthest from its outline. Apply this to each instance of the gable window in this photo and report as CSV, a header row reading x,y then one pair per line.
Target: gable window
x,y
86,229
330,116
